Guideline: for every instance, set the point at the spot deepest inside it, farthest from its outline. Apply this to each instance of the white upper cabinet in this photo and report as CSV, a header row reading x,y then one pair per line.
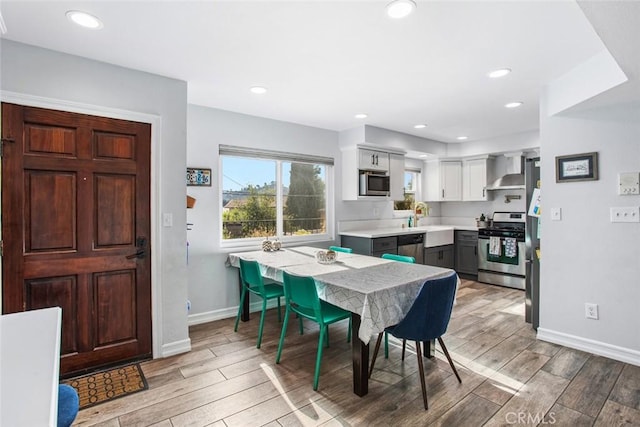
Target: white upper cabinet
x,y
476,174
443,180
396,174
373,160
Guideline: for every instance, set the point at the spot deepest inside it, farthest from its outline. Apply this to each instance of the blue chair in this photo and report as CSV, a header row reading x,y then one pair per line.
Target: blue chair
x,y
401,258
301,297
252,282
426,320
68,405
340,249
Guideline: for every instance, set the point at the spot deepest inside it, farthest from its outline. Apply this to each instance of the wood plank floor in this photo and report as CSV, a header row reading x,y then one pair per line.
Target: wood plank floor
x,y
508,378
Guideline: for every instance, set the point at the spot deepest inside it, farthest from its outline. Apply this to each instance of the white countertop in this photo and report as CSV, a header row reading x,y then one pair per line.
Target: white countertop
x,y
396,231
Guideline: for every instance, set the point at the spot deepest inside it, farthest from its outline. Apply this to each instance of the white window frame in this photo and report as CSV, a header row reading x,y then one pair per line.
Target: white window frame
x,y
279,157
416,192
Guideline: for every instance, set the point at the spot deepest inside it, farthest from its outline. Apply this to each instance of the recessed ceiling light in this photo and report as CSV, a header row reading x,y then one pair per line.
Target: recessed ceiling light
x,y
361,116
462,138
259,90
499,73
400,8
513,104
84,19
420,126
423,156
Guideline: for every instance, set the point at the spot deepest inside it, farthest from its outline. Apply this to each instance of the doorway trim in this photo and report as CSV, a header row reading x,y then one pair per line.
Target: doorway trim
x,y
156,129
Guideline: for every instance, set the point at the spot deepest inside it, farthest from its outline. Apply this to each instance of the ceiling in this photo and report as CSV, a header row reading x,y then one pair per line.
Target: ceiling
x,y
325,61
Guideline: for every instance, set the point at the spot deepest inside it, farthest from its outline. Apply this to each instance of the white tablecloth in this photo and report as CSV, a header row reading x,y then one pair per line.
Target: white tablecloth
x,y
379,290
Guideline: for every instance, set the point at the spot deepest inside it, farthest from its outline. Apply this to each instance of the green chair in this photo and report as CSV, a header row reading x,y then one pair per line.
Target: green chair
x,y
252,282
340,249
301,297
400,258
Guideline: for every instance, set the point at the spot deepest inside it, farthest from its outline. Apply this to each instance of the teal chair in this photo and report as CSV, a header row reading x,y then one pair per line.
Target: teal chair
x,y
301,297
400,258
252,282
340,249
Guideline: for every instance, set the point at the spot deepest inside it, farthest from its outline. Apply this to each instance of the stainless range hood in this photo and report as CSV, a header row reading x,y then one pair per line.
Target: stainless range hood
x,y
514,179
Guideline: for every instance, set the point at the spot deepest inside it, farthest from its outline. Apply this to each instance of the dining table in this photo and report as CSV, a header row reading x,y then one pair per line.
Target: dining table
x,y
378,292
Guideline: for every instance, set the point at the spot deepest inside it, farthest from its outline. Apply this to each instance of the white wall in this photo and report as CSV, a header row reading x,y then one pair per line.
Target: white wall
x,y
37,72
585,257
213,288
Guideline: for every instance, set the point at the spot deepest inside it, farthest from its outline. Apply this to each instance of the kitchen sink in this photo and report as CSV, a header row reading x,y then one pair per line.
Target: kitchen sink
x,y
438,236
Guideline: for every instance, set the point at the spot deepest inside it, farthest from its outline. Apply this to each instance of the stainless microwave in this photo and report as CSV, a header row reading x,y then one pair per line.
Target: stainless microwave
x,y
374,184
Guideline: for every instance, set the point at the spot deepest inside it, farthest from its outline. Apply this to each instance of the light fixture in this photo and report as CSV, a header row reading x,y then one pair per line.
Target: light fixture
x,y
513,104
400,8
258,90
361,116
84,19
462,138
423,156
420,126
499,73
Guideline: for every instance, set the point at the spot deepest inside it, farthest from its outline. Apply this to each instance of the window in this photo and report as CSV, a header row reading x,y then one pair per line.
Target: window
x,y
411,186
271,194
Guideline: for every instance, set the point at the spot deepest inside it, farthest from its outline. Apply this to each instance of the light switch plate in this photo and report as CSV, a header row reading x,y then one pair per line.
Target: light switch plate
x,y
556,214
629,184
626,214
167,220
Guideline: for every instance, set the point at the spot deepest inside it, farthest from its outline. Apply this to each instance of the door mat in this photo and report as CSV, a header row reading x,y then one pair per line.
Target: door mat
x,y
100,387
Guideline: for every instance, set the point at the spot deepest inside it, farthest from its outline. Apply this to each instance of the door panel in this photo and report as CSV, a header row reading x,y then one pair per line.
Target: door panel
x,y
75,201
115,210
50,207
61,292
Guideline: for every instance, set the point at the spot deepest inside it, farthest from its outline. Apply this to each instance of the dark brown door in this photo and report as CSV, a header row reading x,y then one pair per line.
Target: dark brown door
x,y
75,211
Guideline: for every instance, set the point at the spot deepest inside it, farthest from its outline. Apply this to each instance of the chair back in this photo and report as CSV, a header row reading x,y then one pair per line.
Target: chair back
x,y
251,276
302,296
429,314
401,258
340,249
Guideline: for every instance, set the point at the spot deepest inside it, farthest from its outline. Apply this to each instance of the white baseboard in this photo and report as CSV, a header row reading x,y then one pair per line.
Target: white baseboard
x,y
596,347
176,347
225,313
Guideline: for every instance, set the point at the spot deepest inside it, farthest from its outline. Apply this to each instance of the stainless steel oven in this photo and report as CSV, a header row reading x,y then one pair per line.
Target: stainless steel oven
x,y
501,250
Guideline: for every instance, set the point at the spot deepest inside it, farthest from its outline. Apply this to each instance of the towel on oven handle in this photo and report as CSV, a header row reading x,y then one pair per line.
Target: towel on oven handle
x,y
494,246
510,247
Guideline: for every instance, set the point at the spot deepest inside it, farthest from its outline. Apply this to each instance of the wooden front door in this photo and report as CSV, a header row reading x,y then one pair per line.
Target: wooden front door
x,y
75,213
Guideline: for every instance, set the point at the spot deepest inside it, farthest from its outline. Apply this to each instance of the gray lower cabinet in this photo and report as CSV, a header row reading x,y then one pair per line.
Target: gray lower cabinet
x,y
466,252
439,256
374,247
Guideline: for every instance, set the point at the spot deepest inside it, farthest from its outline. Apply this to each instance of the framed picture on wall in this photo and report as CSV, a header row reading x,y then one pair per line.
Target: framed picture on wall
x,y
577,167
198,176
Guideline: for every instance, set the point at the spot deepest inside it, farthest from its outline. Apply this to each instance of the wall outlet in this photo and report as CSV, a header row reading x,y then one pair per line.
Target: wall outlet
x,y
167,220
556,214
591,311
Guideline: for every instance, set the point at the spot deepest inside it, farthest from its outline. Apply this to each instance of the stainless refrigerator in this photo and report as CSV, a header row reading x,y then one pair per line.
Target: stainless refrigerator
x,y
532,241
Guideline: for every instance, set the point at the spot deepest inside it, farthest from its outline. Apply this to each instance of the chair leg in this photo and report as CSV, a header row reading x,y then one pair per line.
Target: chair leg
x,y
279,315
316,375
282,334
300,322
386,345
242,296
404,347
446,353
264,310
422,380
375,353
349,331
